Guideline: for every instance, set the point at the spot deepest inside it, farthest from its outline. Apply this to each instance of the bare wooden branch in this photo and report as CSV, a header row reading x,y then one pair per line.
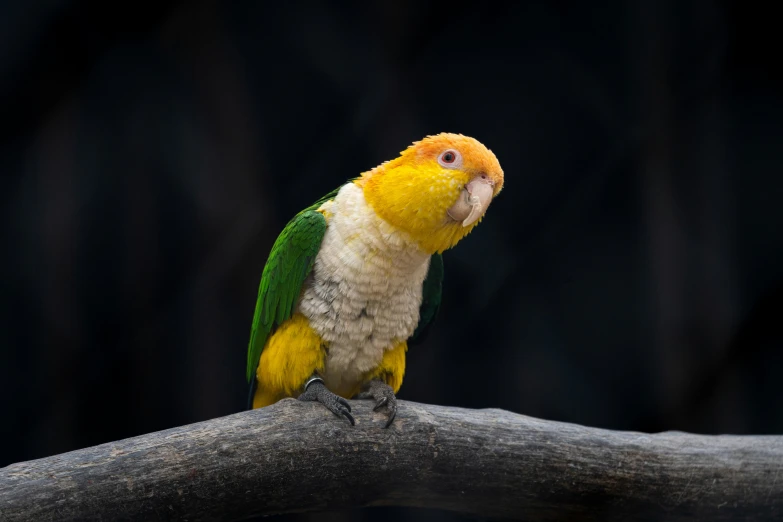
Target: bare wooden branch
x,y
296,456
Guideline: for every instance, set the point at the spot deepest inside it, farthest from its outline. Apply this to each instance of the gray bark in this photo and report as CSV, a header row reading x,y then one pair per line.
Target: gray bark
x,y
296,456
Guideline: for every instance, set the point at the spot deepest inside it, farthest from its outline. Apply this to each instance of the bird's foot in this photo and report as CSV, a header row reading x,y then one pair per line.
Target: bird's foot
x,y
383,394
315,390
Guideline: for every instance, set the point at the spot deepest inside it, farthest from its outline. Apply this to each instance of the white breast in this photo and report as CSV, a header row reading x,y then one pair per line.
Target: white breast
x,y
365,290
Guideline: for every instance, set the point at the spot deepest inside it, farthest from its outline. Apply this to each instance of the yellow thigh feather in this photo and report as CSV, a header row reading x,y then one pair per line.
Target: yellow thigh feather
x,y
291,355
295,351
392,367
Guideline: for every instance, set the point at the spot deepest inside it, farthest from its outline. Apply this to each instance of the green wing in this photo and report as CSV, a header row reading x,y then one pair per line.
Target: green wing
x,y
431,297
289,264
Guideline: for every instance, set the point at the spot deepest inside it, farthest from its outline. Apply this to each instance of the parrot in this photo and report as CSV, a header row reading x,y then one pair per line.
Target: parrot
x,y
356,277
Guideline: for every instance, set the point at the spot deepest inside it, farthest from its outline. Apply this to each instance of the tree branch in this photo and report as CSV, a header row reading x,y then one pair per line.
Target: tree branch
x,y
296,456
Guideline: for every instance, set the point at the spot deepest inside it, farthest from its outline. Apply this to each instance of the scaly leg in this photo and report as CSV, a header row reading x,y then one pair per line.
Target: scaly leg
x,y
383,394
315,390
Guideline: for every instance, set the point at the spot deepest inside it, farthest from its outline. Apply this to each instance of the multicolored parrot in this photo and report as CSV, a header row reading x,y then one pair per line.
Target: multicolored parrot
x,y
355,278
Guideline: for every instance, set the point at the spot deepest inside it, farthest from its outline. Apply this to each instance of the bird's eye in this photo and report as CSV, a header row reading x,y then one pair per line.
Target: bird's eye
x,y
450,159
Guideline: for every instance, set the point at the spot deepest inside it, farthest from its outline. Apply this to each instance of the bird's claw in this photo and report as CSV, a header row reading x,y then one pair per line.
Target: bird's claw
x,y
392,415
316,391
384,395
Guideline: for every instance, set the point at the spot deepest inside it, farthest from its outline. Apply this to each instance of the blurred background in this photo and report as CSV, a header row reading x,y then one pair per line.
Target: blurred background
x,y
630,275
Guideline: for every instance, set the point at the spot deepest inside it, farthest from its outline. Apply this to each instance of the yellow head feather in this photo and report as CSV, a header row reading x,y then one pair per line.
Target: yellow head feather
x,y
415,191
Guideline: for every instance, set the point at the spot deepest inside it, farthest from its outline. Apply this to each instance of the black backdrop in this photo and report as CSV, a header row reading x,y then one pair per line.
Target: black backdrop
x,y
628,276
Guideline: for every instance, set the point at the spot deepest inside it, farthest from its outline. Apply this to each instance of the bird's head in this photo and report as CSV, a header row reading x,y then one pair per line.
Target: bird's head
x,y
437,190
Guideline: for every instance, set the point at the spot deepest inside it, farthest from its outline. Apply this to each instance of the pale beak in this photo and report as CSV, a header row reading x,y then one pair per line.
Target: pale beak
x,y
473,201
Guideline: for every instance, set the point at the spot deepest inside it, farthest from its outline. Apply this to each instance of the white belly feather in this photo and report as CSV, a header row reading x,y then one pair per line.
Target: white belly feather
x,y
364,293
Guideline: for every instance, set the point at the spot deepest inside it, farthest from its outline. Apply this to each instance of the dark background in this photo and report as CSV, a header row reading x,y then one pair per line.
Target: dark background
x,y
629,276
